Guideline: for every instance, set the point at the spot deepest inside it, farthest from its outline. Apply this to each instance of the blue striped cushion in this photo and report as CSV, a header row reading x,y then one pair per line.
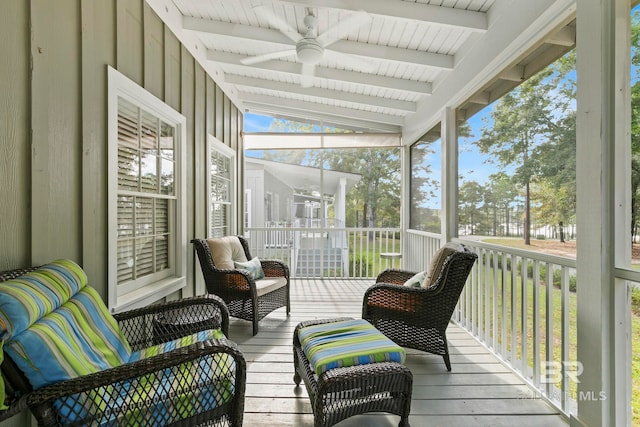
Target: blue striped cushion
x,y
56,327
347,343
164,397
79,338
26,299
177,343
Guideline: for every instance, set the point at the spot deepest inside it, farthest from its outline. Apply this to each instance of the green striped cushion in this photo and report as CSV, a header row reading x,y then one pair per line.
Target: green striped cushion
x,y
162,397
79,338
56,327
26,299
175,344
347,343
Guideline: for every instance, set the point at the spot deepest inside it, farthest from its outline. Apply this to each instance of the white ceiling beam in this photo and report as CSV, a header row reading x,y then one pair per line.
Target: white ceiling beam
x,y
318,118
513,74
466,19
315,92
331,110
482,98
367,51
369,80
566,36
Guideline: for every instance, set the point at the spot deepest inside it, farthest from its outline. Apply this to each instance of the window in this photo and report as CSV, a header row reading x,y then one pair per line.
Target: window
x,y
221,188
147,248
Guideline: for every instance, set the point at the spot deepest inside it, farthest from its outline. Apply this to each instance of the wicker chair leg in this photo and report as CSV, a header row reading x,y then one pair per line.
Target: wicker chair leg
x,y
447,361
404,422
255,327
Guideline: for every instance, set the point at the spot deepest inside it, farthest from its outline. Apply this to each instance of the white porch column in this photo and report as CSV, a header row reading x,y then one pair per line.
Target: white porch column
x,y
449,139
603,150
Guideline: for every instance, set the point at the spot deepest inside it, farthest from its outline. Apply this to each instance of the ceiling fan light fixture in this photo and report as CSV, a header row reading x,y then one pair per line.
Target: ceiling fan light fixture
x,y
309,51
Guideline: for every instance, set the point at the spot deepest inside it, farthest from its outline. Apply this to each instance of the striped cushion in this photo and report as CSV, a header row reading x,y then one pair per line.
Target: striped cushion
x,y
26,299
56,328
177,343
347,343
79,338
163,397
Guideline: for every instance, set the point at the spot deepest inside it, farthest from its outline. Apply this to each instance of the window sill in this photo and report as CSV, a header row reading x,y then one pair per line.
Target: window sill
x,y
148,294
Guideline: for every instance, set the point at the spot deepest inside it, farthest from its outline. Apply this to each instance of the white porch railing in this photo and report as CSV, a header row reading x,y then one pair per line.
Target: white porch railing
x,y
508,307
327,252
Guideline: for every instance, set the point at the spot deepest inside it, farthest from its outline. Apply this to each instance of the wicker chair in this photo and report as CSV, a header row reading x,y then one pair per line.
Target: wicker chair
x,y
417,317
246,298
113,396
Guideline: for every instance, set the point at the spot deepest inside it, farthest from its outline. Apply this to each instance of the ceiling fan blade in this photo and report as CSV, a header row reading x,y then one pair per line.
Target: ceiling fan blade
x,y
343,27
267,56
279,23
308,71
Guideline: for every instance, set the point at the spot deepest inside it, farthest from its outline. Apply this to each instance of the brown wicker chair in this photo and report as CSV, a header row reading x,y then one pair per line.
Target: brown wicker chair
x,y
245,297
90,399
417,317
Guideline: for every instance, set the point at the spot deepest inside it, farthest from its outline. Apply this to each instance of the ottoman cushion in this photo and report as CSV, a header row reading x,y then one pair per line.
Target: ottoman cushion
x,y
347,343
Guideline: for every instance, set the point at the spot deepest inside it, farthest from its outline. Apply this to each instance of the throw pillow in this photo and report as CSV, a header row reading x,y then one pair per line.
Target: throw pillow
x,y
254,267
438,261
416,280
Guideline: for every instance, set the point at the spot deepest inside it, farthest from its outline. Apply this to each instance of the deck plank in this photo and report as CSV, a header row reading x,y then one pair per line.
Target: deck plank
x,y
480,390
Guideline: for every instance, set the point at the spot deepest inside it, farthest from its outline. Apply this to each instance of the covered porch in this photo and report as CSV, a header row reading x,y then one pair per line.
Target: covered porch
x,y
68,193
480,390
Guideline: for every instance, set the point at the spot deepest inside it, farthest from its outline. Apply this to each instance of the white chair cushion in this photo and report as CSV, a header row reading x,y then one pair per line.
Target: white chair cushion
x,y
269,284
226,250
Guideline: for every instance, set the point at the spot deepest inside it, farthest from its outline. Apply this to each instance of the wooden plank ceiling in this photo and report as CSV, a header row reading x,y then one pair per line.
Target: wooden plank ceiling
x,y
377,60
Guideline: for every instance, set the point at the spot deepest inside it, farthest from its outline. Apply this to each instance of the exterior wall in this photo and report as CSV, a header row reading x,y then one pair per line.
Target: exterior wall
x,y
284,192
53,124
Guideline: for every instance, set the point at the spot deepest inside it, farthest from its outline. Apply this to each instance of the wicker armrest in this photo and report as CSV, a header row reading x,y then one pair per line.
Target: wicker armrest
x,y
103,388
274,268
394,276
211,311
392,297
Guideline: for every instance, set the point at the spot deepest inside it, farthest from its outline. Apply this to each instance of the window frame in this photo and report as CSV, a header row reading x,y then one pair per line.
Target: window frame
x,y
214,144
148,289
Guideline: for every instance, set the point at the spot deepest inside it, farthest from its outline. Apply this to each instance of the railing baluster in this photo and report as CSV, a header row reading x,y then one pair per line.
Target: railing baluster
x,y
503,304
536,323
564,303
549,319
524,316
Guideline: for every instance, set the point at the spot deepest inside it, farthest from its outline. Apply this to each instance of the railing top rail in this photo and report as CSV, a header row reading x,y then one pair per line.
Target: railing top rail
x,y
535,255
360,229
424,233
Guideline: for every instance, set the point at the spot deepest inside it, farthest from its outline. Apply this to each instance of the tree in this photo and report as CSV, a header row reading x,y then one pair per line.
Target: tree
x,y
500,196
520,124
471,196
376,197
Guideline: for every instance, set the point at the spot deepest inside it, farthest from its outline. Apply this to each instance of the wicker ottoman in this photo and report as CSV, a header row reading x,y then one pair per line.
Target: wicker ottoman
x,y
342,392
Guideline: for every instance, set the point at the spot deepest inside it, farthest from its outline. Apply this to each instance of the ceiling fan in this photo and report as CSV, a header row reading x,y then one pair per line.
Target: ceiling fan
x,y
311,47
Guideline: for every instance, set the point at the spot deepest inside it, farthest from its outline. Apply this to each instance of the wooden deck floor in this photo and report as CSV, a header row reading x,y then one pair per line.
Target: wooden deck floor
x,y
479,391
